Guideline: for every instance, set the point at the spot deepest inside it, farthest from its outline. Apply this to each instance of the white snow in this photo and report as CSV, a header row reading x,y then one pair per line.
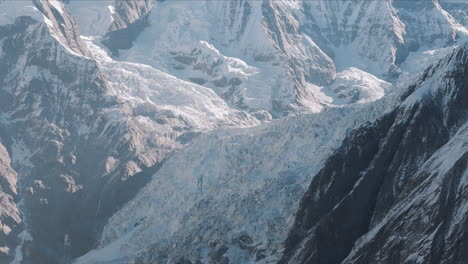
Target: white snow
x,y
229,183
361,34
112,11
207,31
148,89
437,78
419,61
10,10
356,86
240,181
203,33
4,250
93,17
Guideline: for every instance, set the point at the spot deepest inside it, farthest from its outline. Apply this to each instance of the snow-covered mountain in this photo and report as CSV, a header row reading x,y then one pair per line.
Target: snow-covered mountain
x,y
145,131
79,136
229,186
395,191
272,55
231,197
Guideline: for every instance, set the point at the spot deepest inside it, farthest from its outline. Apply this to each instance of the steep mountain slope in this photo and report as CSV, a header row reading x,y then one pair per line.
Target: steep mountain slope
x,y
129,18
395,191
250,52
269,55
85,145
376,37
9,212
231,195
114,155
127,12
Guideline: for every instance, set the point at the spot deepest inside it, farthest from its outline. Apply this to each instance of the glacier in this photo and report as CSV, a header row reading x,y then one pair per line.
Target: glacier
x,y
186,132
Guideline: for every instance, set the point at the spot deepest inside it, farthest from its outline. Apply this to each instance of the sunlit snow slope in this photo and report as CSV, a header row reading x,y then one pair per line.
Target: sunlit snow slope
x,y
271,55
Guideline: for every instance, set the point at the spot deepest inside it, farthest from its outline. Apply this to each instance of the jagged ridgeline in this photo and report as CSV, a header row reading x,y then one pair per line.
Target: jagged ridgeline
x,y
242,131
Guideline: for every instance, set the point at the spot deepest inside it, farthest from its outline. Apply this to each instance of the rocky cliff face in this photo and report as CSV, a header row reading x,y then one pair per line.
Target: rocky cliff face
x,y
129,19
127,12
52,95
232,47
9,203
239,47
395,191
85,145
129,155
38,95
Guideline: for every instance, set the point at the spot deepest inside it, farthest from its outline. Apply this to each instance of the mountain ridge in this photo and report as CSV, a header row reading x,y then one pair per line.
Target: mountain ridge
x,y
229,110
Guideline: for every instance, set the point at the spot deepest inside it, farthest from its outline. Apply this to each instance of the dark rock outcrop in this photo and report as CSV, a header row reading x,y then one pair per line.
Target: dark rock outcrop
x,y
129,20
395,191
53,100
